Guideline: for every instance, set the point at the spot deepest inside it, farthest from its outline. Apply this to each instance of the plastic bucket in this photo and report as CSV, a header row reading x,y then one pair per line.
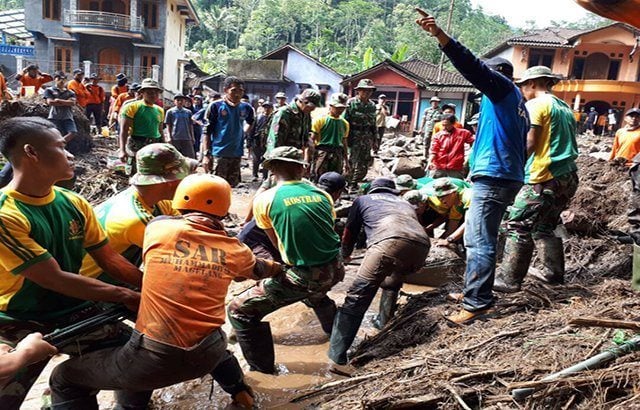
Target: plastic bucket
x,y
29,90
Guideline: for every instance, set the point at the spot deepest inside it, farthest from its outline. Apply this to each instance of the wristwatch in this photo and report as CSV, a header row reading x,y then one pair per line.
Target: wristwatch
x,y
450,239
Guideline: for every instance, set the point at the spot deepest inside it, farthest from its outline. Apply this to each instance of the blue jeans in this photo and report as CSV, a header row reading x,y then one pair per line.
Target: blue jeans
x,y
489,201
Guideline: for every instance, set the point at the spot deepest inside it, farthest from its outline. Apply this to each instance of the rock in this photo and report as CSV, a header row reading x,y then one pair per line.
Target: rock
x,y
409,165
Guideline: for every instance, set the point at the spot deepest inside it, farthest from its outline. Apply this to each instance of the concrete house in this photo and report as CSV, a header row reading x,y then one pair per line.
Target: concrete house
x,y
142,38
600,67
410,85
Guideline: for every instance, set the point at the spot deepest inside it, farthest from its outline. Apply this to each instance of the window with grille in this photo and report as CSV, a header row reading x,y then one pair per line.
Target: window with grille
x,y
63,59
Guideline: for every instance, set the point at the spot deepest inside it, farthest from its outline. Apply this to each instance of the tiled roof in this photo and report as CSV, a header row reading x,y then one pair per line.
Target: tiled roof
x,y
552,37
429,73
12,23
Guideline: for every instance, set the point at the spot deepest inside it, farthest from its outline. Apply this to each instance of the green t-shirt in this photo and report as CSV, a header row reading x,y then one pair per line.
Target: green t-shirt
x,y
61,225
302,218
146,119
330,131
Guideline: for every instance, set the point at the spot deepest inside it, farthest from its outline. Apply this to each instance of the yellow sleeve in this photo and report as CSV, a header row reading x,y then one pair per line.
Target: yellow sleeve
x,y
316,128
538,111
94,236
18,250
261,208
160,113
166,209
347,129
130,110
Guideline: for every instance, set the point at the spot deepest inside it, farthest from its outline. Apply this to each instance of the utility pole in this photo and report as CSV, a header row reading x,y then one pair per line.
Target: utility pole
x,y
448,30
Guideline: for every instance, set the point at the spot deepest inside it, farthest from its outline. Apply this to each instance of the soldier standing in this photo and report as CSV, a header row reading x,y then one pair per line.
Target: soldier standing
x,y
361,115
429,118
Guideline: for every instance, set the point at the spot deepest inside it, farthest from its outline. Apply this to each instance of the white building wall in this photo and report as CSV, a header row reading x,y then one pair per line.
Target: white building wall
x,y
175,37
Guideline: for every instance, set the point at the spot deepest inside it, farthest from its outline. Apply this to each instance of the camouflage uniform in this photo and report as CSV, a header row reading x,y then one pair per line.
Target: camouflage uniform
x,y
327,159
290,126
431,116
362,122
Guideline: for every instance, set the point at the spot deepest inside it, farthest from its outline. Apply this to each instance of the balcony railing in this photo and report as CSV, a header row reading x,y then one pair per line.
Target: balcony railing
x,y
100,19
108,72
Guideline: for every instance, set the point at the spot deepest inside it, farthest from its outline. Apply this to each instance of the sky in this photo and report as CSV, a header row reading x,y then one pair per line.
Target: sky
x,y
517,12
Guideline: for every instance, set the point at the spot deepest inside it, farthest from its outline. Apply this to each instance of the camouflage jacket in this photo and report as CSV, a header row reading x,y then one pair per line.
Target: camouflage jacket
x,y
362,119
431,116
289,126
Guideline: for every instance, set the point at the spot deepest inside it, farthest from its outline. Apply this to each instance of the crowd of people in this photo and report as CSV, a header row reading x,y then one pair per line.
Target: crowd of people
x,y
160,247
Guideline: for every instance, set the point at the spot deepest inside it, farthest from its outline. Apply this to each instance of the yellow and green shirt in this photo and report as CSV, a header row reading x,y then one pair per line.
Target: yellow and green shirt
x,y
330,131
124,218
555,152
146,119
302,218
463,202
61,225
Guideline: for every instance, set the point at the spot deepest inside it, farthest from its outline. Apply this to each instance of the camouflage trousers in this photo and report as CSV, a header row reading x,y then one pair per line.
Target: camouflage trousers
x,y
326,159
229,169
135,144
535,212
359,159
297,284
13,393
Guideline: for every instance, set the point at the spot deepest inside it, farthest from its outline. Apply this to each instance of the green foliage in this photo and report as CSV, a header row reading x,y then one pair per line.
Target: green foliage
x,y
347,35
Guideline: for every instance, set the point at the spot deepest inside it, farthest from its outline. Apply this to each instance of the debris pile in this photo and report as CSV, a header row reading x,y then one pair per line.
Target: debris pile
x,y
35,106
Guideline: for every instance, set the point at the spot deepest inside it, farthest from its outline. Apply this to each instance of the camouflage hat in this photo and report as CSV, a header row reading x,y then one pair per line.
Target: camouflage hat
x,y
414,197
284,153
405,182
435,98
538,71
474,119
149,84
311,95
158,163
365,84
439,187
281,95
339,100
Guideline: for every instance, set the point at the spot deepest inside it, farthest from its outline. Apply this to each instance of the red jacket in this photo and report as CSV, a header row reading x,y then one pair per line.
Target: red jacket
x,y
447,149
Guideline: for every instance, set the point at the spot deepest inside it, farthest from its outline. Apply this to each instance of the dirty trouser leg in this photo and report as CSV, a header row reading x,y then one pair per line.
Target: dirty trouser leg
x,y
296,284
386,258
490,198
229,169
359,157
141,365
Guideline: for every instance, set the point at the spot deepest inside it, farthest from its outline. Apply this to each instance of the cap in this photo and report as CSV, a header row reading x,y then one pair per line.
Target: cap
x,y
284,153
405,182
95,76
311,95
32,67
339,100
501,65
134,87
448,105
121,76
158,163
383,185
474,119
435,98
149,84
538,71
414,197
180,96
382,96
59,74
197,97
78,71
280,95
439,187
633,111
267,104
365,84
331,182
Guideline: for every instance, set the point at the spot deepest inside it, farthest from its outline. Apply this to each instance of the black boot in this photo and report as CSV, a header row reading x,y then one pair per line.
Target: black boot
x,y
345,329
551,253
514,267
257,347
388,305
326,313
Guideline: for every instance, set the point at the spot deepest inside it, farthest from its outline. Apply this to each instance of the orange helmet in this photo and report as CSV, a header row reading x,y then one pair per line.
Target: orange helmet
x,y
205,193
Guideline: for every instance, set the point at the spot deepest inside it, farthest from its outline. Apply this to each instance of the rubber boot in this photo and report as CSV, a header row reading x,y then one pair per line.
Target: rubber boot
x,y
635,275
514,267
345,329
551,253
257,347
326,313
388,305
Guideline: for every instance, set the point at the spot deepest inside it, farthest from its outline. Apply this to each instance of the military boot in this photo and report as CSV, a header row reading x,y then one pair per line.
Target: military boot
x,y
388,305
514,267
551,253
345,329
257,347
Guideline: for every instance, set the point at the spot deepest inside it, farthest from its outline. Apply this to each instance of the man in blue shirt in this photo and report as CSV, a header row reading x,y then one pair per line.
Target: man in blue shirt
x,y
180,127
497,165
227,121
